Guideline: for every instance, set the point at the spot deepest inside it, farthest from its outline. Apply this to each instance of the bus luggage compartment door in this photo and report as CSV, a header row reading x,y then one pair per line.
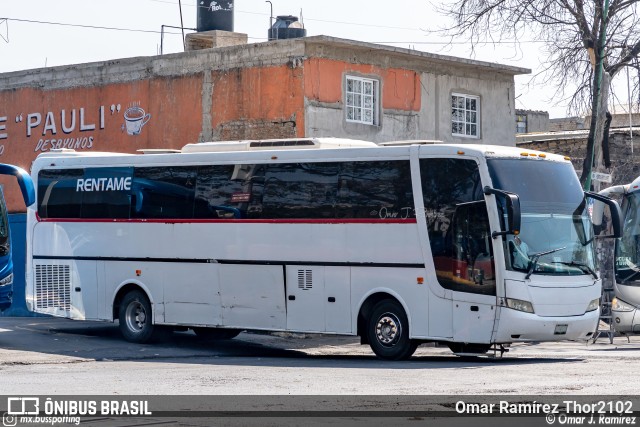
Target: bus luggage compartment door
x,y
192,294
318,299
252,296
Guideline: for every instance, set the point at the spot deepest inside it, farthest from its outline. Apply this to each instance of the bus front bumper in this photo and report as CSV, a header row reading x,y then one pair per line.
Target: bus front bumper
x,y
518,326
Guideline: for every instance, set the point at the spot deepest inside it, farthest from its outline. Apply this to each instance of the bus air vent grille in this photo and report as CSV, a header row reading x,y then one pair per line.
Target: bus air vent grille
x,y
305,279
53,286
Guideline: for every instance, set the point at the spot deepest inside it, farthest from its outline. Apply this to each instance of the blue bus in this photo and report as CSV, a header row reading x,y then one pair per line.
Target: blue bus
x,y
6,261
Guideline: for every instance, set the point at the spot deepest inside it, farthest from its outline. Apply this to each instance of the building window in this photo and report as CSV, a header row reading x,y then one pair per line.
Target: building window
x,y
521,123
465,115
362,100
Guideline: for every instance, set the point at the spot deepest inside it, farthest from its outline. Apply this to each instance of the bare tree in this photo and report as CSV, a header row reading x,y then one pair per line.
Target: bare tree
x,y
577,37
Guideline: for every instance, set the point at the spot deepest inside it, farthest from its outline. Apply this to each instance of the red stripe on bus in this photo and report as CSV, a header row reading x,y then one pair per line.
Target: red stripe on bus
x,y
243,221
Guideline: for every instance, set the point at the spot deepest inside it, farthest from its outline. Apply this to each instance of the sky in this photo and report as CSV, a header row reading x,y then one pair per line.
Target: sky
x,y
45,33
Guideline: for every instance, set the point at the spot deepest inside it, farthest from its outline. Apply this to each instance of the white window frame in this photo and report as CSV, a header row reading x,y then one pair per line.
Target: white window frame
x,y
361,100
463,115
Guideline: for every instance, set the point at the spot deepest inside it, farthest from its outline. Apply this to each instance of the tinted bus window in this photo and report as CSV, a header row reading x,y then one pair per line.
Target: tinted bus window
x,y
223,191
57,195
300,190
370,190
380,189
105,192
163,192
458,225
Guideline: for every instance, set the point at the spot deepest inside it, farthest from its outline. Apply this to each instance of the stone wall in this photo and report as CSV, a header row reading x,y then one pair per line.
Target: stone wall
x,y
625,161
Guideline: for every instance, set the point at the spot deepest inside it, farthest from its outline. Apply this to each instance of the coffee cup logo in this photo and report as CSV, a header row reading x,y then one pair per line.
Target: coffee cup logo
x,y
135,118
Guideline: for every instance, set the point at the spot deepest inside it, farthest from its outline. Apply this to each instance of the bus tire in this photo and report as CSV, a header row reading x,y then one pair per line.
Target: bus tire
x,y
388,331
135,319
216,334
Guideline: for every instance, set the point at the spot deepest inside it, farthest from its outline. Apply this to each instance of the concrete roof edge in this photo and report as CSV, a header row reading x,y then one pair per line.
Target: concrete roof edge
x,y
509,69
267,53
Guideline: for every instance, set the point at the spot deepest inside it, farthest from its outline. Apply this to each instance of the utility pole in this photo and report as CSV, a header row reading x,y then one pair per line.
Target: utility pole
x,y
595,114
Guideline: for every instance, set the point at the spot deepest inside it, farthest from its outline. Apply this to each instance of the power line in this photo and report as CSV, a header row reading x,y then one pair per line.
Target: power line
x,y
138,30
369,25
309,19
94,27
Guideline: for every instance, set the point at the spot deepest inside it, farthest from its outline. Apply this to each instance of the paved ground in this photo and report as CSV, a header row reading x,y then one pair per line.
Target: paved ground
x,y
83,360
49,340
57,356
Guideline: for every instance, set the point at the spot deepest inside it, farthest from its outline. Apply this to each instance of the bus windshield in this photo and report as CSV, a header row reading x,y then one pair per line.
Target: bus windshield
x,y
627,265
556,235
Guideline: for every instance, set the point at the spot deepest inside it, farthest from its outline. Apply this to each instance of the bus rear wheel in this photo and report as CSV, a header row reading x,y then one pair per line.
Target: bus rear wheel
x,y
216,334
135,319
388,331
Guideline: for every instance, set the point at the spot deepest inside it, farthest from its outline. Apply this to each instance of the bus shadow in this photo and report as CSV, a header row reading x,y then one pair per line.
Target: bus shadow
x,y
103,342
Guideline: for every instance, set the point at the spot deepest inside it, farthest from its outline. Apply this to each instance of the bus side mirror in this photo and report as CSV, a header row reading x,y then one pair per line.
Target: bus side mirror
x,y
513,210
598,209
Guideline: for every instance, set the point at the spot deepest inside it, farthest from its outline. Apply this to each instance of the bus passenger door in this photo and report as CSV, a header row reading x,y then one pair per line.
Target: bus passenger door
x,y
430,225
461,252
473,274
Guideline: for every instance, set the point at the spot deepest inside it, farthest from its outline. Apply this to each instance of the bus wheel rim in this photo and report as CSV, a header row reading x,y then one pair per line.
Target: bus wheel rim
x,y
388,329
136,316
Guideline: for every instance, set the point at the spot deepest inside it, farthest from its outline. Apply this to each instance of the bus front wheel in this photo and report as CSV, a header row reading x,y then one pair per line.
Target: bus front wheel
x,y
135,319
388,331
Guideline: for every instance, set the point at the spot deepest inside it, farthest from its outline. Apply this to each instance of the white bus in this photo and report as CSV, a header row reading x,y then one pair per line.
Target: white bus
x,y
625,307
472,246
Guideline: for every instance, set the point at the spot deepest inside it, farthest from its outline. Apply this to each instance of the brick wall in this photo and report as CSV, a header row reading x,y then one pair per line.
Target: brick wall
x,y
257,129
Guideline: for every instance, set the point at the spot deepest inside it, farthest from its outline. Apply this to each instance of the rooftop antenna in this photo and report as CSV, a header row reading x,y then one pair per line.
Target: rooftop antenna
x,y
182,24
270,16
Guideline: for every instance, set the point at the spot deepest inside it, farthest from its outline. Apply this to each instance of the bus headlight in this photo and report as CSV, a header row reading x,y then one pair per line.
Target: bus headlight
x,y
593,305
619,305
7,280
520,305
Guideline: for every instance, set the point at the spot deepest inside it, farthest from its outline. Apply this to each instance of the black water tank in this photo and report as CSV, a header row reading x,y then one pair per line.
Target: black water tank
x,y
286,27
215,15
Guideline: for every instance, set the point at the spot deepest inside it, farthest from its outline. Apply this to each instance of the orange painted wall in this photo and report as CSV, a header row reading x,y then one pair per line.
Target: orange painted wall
x,y
324,81
173,106
259,94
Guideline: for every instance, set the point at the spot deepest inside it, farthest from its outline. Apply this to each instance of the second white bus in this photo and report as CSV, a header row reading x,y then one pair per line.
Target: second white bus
x,y
625,306
472,246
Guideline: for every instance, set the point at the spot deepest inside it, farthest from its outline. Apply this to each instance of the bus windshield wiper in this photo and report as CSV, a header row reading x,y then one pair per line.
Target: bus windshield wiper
x,y
533,259
584,267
